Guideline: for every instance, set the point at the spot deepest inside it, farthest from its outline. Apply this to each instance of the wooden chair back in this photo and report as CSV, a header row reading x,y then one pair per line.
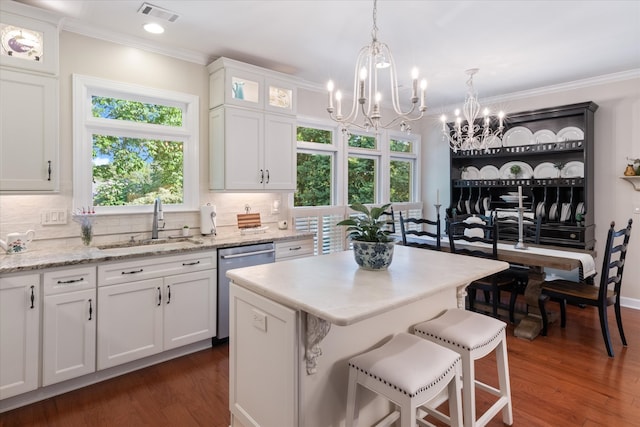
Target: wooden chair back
x,y
613,260
421,223
463,234
390,220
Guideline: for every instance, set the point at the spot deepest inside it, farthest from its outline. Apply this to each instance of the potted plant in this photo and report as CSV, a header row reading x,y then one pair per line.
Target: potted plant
x,y
515,170
185,230
372,245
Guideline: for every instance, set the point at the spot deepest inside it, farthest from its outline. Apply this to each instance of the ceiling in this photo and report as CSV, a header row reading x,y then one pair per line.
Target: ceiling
x,y
518,45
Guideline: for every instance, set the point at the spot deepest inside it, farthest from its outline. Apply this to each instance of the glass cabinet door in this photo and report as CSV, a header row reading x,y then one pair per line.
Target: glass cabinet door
x,y
280,97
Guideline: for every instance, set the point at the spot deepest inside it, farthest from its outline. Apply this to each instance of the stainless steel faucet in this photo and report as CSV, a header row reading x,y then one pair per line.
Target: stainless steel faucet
x,y
157,217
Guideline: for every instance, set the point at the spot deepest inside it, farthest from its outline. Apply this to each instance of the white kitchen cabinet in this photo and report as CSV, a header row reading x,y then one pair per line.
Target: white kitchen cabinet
x,y
130,321
190,308
19,334
69,326
28,132
251,150
263,356
154,304
292,249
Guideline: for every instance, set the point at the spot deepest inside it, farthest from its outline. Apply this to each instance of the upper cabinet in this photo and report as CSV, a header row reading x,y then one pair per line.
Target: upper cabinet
x,y
252,128
29,103
547,152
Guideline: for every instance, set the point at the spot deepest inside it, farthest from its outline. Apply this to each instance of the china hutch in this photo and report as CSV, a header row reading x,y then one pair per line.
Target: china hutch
x,y
552,151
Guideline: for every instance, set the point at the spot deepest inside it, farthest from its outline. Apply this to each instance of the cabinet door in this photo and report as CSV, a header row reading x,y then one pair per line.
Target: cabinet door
x,y
19,334
189,308
280,152
28,132
244,145
130,321
69,336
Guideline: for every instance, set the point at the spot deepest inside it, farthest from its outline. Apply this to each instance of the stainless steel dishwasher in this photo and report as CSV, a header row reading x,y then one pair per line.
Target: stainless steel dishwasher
x,y
237,257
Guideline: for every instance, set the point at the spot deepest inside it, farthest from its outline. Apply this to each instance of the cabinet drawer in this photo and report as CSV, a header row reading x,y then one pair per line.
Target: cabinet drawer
x,y
294,249
155,266
69,280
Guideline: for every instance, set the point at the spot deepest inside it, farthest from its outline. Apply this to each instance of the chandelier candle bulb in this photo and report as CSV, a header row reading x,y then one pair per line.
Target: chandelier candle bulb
x,y
330,89
423,89
438,197
339,104
414,85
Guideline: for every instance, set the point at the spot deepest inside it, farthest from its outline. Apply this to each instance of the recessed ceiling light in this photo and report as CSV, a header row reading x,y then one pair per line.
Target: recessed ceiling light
x,y
154,28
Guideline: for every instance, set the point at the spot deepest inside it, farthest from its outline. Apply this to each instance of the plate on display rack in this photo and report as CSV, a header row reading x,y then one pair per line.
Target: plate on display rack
x,y
489,172
525,170
570,133
470,173
573,170
543,136
545,170
518,135
494,142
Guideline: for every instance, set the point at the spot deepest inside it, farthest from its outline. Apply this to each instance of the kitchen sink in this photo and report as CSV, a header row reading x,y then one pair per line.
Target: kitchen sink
x,y
175,241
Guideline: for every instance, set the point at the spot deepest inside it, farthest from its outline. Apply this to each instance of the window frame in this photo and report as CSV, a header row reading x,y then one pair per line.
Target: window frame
x,y
85,125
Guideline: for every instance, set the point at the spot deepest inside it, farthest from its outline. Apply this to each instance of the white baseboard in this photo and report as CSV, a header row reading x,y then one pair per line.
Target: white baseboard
x,y
630,303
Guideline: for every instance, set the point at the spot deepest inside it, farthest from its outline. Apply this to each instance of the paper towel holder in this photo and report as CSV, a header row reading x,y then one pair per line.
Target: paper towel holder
x,y
208,214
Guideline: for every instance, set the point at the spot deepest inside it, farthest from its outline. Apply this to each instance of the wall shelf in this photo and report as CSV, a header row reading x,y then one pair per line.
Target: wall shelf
x,y
634,180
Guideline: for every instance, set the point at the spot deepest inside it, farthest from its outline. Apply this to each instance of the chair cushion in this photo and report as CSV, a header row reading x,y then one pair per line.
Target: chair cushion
x,y
462,328
407,363
474,232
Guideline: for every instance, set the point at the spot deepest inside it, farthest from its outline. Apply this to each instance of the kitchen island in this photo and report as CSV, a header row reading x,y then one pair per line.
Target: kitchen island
x,y
295,324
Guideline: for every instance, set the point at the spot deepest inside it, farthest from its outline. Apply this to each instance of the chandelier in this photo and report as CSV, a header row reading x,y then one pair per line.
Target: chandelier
x,y
374,60
476,133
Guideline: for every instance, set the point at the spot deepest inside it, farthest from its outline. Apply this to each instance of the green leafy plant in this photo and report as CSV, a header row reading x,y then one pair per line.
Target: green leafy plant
x,y
367,227
515,170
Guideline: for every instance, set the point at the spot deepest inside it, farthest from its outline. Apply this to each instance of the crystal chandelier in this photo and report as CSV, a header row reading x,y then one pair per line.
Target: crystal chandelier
x,y
373,61
476,133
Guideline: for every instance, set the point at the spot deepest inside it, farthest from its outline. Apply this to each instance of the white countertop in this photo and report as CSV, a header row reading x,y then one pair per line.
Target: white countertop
x,y
334,288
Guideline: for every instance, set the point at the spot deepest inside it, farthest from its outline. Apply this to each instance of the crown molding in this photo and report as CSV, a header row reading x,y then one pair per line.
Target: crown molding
x,y
77,27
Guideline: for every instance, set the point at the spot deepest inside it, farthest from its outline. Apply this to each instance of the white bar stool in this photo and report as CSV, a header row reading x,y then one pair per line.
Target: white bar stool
x,y
410,374
474,336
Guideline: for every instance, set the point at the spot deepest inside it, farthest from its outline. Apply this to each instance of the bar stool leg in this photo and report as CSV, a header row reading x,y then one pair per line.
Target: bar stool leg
x,y
503,380
468,389
352,411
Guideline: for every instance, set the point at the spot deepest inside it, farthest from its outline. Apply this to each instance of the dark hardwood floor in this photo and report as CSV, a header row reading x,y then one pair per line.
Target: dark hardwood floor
x,y
564,379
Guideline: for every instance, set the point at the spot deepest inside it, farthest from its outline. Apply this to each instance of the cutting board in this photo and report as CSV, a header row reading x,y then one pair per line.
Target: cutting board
x,y
250,220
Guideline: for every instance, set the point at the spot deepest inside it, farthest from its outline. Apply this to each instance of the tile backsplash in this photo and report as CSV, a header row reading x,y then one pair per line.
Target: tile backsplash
x,y
19,213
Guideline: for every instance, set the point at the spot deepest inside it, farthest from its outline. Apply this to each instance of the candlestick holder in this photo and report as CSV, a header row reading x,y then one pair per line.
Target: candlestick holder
x,y
520,244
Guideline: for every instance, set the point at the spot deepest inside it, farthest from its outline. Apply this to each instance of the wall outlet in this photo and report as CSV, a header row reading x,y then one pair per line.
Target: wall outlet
x,y
259,320
53,217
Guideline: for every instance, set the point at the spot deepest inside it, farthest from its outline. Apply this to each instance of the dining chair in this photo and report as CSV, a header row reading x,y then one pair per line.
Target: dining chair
x,y
583,293
390,220
420,224
464,237
508,226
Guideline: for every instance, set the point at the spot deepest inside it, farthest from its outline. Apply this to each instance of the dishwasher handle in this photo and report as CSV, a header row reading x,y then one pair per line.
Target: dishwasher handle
x,y
266,251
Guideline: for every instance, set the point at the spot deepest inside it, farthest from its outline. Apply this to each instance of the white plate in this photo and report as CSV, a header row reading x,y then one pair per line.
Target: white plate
x,y
494,142
512,198
489,172
525,170
570,133
545,170
573,170
543,136
471,172
518,135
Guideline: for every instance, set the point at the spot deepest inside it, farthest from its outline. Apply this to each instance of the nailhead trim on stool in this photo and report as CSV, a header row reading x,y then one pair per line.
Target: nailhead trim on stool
x,y
474,336
397,371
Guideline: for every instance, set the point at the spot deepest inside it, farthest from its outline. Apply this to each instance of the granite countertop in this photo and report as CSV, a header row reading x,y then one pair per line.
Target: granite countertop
x,y
332,287
36,258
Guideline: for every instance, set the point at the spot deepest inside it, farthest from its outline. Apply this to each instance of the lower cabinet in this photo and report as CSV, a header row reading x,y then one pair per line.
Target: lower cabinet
x,y
19,334
69,324
139,318
292,249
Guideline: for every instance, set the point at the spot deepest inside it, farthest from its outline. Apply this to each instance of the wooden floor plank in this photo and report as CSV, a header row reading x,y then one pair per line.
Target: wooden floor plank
x,y
564,379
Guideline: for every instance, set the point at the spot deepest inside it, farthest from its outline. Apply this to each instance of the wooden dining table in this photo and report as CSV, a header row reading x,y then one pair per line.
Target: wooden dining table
x,y
536,258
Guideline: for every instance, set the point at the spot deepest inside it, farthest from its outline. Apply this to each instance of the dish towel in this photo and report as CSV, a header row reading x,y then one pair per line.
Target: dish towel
x,y
587,261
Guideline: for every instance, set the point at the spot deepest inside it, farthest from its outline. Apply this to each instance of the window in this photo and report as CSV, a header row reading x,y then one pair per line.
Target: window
x,y
337,169
316,167
133,144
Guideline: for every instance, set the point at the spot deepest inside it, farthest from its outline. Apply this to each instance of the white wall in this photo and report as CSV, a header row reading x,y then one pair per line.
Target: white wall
x,y
617,136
